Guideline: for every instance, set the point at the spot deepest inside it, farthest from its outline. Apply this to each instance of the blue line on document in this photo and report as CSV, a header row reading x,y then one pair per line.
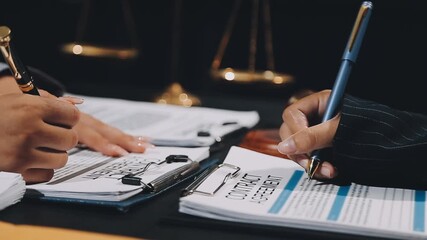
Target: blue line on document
x,y
289,188
419,211
338,203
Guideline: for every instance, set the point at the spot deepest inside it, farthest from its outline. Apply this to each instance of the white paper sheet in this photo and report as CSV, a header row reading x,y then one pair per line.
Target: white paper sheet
x,y
275,191
168,125
12,189
93,176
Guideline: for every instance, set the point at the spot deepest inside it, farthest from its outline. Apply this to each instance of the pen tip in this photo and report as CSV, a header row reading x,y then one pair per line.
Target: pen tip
x,y
314,165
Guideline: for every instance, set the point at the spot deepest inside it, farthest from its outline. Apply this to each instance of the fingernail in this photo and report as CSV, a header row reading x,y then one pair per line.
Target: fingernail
x,y
145,145
303,163
141,138
325,172
117,149
73,100
287,146
143,142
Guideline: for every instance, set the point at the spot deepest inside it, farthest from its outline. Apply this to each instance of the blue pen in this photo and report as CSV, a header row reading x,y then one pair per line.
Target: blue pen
x,y
348,59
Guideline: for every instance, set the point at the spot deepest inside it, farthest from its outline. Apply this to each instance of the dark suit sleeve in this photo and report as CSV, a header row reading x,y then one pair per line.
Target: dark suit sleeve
x,y
378,145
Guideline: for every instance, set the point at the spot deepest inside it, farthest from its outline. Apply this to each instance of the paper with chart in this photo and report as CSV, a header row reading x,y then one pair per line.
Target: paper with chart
x,y
274,191
168,125
92,176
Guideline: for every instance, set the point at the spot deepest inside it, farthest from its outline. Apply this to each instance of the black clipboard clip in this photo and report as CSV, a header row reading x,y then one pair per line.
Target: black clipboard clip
x,y
193,187
166,179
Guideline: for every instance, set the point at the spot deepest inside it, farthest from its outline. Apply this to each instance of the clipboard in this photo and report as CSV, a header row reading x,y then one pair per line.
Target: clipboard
x,y
124,205
193,187
264,231
217,154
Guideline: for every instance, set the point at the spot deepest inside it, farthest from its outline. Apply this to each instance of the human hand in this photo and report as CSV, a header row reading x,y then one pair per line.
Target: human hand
x,y
36,133
300,139
102,137
107,139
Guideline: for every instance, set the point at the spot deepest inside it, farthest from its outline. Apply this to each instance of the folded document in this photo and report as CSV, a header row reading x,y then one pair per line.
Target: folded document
x,y
252,187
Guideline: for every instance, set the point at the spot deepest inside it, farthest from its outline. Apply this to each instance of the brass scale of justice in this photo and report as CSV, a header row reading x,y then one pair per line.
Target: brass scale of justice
x,y
175,94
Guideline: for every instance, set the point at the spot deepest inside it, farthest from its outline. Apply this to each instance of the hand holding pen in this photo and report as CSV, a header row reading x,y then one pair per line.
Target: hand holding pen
x,y
299,137
92,132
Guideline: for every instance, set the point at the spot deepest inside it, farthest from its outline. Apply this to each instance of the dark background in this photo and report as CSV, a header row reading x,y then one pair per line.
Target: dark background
x,y
308,38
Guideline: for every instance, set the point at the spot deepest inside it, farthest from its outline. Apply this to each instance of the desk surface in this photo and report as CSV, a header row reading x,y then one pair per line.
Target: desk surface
x,y
159,218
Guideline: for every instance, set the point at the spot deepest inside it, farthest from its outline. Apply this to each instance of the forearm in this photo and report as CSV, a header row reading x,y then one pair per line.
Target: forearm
x,y
375,144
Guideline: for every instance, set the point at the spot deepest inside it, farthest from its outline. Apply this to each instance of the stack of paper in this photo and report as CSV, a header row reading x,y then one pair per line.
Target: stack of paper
x,y
168,125
274,191
12,189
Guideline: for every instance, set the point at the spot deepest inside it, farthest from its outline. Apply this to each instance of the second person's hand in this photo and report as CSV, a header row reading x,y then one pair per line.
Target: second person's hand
x,y
299,138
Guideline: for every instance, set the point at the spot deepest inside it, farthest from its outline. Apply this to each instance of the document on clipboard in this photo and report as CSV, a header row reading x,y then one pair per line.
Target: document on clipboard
x,y
168,125
89,175
251,187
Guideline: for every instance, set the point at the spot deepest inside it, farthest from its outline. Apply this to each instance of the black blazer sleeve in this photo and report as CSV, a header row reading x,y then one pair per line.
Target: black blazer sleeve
x,y
378,145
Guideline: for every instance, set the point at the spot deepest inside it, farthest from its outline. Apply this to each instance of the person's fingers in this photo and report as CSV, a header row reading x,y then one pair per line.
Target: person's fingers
x,y
40,158
68,99
309,139
131,143
299,140
60,113
54,137
97,142
325,171
71,99
115,135
46,94
294,119
302,159
108,131
284,131
47,158
296,115
37,175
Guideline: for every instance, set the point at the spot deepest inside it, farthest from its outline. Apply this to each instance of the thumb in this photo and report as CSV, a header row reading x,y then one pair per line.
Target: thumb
x,y
309,139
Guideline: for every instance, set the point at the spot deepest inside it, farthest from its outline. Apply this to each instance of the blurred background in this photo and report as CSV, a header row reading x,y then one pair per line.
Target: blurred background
x,y
177,41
